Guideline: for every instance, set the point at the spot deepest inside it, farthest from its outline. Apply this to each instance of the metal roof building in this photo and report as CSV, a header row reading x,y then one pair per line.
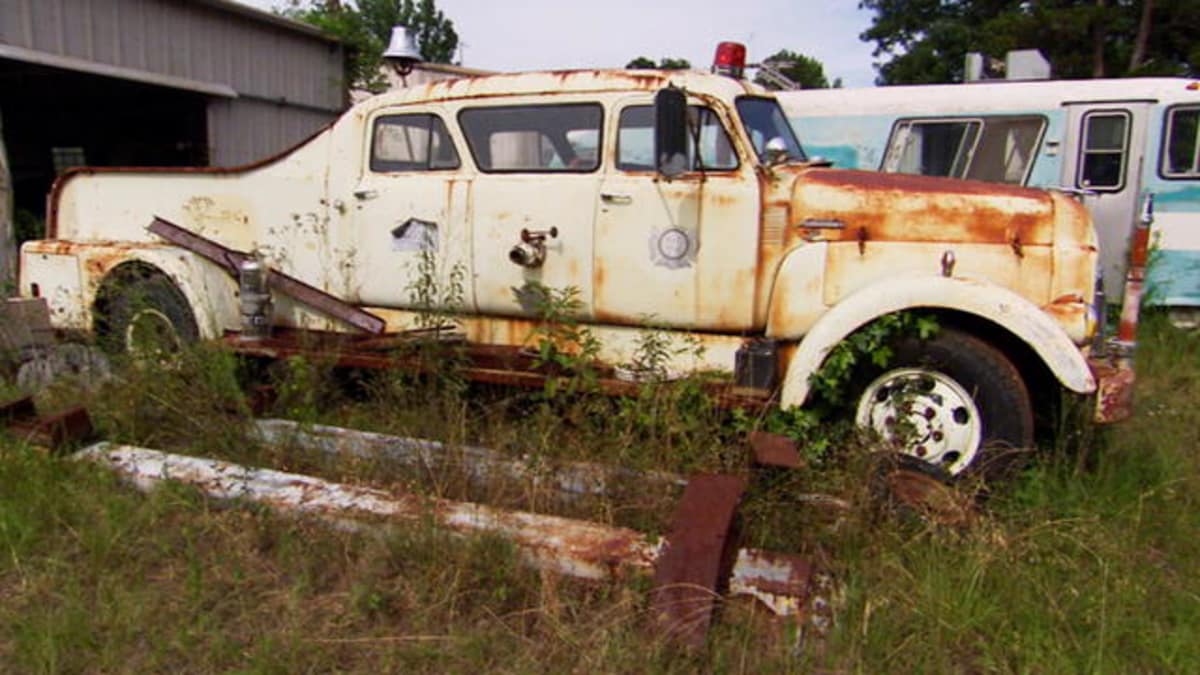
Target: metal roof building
x,y
156,83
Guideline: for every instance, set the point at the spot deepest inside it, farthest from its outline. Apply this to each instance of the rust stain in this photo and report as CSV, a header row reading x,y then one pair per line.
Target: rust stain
x,y
874,180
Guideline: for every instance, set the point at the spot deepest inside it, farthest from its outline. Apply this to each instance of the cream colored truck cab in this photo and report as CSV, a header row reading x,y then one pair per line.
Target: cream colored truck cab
x,y
677,198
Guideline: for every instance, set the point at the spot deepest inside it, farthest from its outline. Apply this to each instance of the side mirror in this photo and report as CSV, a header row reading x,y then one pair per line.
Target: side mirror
x,y
670,132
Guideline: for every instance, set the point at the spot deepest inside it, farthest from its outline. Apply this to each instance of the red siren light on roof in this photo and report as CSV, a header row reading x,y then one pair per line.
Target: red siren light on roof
x,y
730,59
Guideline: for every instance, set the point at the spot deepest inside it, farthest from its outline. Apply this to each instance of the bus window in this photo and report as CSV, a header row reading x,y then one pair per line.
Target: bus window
x,y
1006,149
997,148
1181,158
1103,151
931,148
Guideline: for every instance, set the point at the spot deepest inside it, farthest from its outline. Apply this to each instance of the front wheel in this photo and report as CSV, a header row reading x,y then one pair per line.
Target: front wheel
x,y
953,401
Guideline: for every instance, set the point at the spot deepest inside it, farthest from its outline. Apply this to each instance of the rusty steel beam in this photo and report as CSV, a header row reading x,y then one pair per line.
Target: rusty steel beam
x,y
230,260
697,558
572,547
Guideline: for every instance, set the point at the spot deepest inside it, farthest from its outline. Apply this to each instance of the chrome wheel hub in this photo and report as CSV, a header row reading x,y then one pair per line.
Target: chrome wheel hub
x,y
926,413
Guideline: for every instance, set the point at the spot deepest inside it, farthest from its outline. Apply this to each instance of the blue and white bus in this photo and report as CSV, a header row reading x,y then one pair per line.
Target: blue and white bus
x,y
1113,142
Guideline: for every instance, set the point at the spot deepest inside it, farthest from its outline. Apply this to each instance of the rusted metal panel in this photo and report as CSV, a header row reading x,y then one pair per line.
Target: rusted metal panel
x,y
696,560
902,207
1115,379
231,259
17,410
781,581
775,450
58,431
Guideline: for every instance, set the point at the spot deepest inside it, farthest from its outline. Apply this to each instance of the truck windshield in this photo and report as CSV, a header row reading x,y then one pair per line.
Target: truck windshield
x,y
764,121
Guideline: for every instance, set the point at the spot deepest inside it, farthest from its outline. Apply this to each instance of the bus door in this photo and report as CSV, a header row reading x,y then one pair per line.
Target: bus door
x,y
1106,150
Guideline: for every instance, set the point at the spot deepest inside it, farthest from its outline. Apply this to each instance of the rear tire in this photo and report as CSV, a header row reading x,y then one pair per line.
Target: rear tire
x,y
954,401
146,316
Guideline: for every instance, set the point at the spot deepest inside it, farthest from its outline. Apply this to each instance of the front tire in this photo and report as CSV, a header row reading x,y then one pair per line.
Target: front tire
x,y
953,401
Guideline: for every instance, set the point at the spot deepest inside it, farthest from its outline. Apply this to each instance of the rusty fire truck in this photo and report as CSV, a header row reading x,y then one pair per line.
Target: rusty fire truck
x,y
681,198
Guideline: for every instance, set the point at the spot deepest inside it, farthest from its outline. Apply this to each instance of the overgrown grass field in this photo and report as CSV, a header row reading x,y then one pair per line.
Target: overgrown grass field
x,y
1088,561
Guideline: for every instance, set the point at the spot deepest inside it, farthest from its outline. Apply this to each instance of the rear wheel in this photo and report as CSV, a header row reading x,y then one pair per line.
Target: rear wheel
x,y
953,401
146,316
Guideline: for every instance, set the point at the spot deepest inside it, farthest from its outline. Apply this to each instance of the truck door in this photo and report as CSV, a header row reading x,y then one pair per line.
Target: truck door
x,y
1106,144
680,252
410,205
538,173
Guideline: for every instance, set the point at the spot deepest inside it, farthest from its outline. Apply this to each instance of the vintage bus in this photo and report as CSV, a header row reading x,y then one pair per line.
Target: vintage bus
x,y
1112,142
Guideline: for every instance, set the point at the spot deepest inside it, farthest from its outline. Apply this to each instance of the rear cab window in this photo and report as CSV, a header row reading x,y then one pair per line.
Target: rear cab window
x,y
411,142
563,138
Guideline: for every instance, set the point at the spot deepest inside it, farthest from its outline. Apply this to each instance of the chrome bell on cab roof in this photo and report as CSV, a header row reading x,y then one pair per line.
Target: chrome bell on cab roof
x,y
402,50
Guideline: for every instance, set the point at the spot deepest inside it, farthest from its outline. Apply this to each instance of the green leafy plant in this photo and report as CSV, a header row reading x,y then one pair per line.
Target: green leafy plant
x,y
871,344
656,348
438,303
561,344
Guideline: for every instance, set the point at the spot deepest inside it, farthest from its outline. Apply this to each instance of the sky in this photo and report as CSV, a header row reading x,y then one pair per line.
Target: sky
x,y
558,34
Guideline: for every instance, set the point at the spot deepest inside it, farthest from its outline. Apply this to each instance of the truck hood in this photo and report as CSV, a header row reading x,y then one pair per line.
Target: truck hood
x,y
839,204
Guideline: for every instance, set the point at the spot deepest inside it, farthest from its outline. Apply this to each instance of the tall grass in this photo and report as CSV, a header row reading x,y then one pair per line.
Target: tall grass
x,y
1075,567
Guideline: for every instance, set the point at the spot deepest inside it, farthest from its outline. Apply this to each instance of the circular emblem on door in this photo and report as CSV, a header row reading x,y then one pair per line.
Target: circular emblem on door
x,y
673,248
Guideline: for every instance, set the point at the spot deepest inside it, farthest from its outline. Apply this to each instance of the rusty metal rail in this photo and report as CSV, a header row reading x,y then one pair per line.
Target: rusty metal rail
x,y
230,260
507,366
576,548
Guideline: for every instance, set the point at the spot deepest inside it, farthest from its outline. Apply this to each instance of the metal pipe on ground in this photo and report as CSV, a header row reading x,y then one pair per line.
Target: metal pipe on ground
x,y
575,548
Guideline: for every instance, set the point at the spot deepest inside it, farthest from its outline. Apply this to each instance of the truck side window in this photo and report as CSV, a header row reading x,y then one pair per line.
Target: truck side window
x,y
417,142
535,138
995,148
1181,156
635,140
1103,151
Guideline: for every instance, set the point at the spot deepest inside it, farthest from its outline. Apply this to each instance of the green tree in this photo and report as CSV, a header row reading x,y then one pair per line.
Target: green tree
x,y
920,41
805,71
365,26
665,63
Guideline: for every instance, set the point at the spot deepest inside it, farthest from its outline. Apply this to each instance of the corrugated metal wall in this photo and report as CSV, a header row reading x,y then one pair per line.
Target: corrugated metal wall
x,y
289,79
251,130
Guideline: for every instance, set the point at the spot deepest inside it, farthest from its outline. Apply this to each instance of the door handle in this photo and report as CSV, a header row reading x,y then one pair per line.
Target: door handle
x,y
614,198
364,195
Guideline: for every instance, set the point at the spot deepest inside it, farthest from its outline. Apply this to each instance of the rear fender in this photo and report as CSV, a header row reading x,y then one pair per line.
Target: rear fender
x,y
70,276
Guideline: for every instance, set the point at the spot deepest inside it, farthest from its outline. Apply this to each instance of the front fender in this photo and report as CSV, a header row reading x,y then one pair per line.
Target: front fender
x,y
994,303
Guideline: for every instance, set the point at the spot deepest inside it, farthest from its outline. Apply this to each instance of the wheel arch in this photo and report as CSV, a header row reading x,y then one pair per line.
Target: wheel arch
x,y
190,280
1037,346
